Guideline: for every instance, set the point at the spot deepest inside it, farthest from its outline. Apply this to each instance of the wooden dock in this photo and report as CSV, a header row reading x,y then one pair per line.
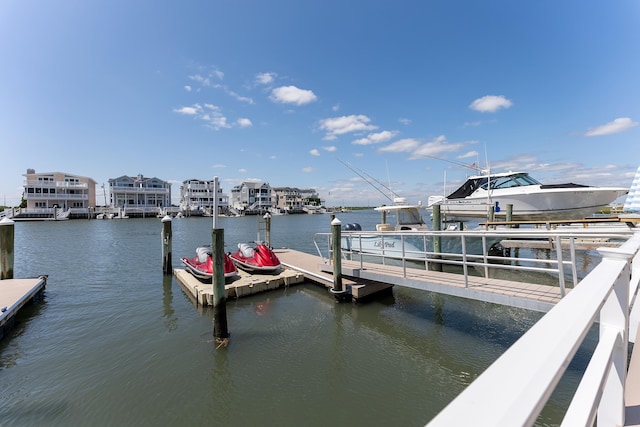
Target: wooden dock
x,y
243,285
370,278
297,267
530,296
367,279
15,294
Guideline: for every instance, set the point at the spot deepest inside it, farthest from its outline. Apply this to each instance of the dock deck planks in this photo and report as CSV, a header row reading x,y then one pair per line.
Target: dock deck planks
x,y
14,294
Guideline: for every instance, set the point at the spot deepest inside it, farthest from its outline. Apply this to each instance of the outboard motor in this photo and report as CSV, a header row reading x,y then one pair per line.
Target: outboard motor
x,y
352,227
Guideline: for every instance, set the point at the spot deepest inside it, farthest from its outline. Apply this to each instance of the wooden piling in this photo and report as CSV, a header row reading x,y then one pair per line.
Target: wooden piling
x,y
7,236
267,229
491,214
336,258
166,245
220,327
437,247
509,217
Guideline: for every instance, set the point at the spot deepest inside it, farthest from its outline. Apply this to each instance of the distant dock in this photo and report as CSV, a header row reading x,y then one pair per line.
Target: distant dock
x,y
14,295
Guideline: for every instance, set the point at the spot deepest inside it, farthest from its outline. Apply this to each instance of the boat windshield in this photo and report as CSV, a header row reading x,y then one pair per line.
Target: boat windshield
x,y
409,216
517,180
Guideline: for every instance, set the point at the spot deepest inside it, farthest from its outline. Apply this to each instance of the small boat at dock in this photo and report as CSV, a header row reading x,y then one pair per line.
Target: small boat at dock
x,y
407,218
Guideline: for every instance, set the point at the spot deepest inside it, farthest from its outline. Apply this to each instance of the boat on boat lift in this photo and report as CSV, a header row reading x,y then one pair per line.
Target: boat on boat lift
x,y
530,200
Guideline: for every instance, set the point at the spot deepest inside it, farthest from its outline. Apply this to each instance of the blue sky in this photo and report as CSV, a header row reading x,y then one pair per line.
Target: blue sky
x,y
283,91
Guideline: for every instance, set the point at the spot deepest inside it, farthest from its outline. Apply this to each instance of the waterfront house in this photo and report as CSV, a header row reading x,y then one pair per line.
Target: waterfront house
x,y
57,195
252,198
139,196
295,200
197,198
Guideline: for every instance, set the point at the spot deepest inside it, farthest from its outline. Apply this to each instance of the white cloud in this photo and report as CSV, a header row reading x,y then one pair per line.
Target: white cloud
x,y
219,166
242,170
314,152
209,113
376,138
490,103
307,169
187,88
190,111
618,125
436,147
402,146
206,80
292,95
340,125
244,122
404,121
330,148
265,78
335,107
468,155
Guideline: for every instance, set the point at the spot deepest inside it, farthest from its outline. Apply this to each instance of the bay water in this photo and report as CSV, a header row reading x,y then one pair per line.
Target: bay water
x,y
117,343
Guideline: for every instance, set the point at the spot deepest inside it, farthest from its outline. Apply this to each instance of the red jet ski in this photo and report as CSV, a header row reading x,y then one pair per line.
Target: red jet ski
x,y
201,265
258,257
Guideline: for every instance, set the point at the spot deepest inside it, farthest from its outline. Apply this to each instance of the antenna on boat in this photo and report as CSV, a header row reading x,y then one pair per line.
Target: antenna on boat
x,y
368,178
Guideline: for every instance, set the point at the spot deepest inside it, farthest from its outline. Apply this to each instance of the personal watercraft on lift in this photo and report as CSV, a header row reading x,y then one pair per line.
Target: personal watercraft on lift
x,y
257,258
201,265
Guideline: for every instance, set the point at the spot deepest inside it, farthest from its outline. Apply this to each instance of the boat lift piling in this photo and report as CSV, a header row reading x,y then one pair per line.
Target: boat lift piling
x,y
437,247
220,327
267,229
336,237
7,236
166,245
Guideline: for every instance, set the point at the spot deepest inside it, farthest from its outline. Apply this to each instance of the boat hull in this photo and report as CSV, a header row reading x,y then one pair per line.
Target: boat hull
x,y
380,245
548,204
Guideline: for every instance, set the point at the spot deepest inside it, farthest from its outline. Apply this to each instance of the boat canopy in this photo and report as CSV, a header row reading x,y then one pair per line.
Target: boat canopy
x,y
517,179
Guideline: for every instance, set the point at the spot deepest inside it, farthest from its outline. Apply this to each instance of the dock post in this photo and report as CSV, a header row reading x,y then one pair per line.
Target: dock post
x,y
437,247
166,245
491,214
336,258
220,328
510,216
267,229
7,235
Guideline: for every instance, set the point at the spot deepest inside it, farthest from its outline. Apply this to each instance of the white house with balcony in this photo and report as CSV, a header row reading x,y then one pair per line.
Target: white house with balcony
x,y
57,194
197,198
139,196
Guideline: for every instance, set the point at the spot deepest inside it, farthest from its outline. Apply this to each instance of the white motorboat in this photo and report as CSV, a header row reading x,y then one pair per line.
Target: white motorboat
x,y
386,241
530,199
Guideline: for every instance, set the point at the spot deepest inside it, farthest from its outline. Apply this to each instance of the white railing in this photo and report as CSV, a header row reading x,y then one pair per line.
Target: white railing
x,y
514,389
140,190
473,249
55,184
55,196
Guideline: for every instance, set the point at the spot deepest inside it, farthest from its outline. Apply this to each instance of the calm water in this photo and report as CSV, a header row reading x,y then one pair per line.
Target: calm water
x,y
117,343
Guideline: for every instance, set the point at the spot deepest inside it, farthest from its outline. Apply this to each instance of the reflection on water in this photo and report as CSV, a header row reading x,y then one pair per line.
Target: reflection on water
x,y
116,342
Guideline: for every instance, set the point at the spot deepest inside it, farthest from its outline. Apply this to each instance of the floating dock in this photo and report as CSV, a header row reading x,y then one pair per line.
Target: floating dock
x,y
15,294
297,268
243,285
